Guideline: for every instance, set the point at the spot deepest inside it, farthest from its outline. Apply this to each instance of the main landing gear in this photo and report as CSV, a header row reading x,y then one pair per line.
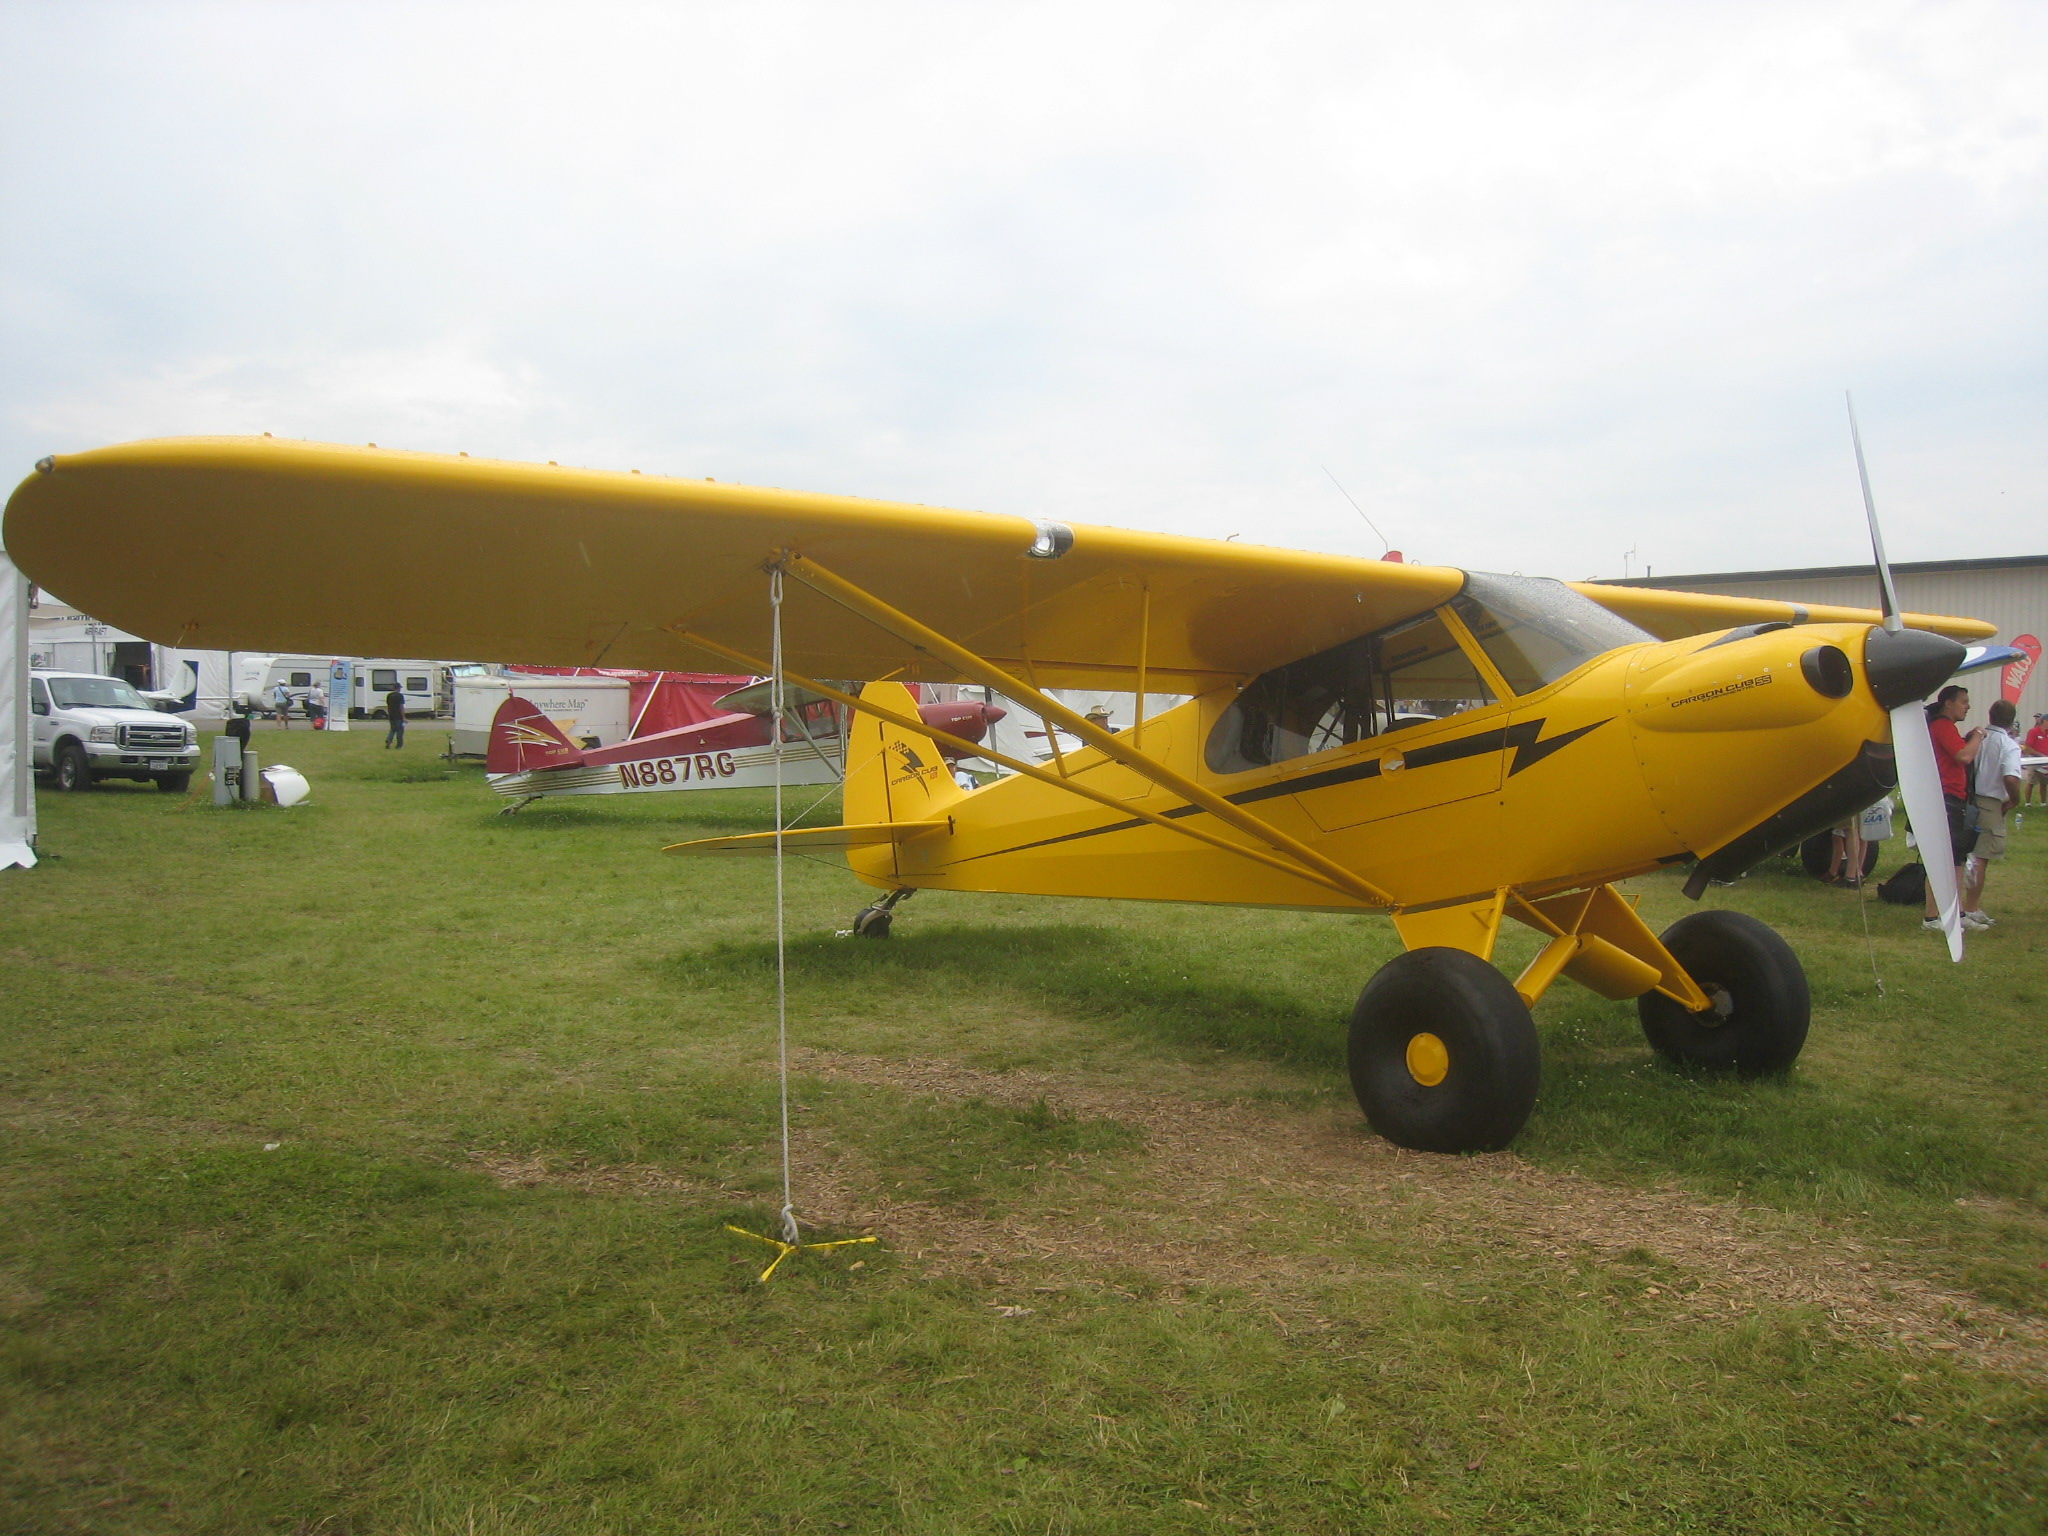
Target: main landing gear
x,y
1761,1007
1443,1051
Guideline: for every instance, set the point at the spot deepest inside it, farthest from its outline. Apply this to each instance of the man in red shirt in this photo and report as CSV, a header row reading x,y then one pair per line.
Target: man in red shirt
x,y
1953,754
2036,745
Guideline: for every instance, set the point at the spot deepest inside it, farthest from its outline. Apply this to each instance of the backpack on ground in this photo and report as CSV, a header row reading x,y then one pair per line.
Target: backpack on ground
x,y
1907,888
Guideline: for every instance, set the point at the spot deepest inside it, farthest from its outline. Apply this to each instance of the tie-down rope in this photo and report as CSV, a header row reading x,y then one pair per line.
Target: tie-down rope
x,y
791,1240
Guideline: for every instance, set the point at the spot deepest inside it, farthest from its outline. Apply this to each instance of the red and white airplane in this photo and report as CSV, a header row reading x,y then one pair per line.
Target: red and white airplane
x,y
529,758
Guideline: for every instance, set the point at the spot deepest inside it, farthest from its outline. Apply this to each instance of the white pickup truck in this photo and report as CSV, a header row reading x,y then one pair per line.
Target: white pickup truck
x,y
89,727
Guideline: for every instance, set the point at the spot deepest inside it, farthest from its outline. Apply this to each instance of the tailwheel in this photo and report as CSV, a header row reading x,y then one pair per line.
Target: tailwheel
x,y
872,922
1443,1053
1758,1020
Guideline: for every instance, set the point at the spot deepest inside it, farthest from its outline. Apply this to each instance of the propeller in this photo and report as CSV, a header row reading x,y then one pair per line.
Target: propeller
x,y
1912,747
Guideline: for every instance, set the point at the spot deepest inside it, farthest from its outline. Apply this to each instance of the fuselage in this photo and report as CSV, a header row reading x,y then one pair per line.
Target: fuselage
x,y
1640,755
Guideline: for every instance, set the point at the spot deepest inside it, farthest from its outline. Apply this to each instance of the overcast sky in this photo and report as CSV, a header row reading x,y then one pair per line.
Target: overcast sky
x,y
1540,284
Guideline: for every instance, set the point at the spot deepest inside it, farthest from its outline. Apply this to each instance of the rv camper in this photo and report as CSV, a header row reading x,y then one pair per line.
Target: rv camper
x,y
424,684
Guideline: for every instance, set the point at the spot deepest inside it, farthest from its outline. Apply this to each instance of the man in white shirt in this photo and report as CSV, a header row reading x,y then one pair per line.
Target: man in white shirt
x,y
1995,783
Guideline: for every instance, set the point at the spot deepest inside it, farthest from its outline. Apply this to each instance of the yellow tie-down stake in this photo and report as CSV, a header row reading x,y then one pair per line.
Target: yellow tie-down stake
x,y
786,1249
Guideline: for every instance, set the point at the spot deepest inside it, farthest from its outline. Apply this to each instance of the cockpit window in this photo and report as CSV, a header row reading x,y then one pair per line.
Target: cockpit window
x,y
1536,630
1407,675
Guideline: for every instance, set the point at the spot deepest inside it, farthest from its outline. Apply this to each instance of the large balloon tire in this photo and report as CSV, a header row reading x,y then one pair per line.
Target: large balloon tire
x,y
1471,1032
1762,1007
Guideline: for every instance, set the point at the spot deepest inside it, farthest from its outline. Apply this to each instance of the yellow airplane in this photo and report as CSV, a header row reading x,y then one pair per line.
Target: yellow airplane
x,y
1454,748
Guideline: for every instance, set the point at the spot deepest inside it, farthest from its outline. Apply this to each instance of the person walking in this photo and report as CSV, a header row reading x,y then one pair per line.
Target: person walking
x,y
1953,754
316,707
2037,746
281,705
394,712
1995,780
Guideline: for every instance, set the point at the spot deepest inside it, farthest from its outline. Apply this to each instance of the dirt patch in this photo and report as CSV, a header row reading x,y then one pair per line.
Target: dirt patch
x,y
583,1174
1194,1216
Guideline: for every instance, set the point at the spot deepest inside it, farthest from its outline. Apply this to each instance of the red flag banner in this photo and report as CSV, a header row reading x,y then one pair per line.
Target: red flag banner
x,y
2017,672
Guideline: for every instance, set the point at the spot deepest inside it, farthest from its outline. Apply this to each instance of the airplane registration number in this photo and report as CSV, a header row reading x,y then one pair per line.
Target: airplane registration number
x,y
677,770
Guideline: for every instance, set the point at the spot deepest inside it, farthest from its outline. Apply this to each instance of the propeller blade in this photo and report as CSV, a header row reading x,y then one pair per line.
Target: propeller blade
x,y
1886,595
1920,788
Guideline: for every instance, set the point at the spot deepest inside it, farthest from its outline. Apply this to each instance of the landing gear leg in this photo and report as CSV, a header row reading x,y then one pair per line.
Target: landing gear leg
x,y
519,805
1444,1056
872,922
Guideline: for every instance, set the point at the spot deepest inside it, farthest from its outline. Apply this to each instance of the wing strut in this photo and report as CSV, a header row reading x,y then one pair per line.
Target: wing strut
x,y
1029,770
932,643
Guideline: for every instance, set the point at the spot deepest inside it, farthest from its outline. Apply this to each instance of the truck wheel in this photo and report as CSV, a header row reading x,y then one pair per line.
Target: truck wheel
x,y
74,768
1444,1056
174,783
1757,1024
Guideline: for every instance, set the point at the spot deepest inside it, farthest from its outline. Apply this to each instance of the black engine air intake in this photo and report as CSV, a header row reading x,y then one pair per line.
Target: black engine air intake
x,y
1827,669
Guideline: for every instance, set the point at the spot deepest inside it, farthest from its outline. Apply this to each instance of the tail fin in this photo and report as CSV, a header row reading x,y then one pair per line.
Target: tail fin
x,y
522,738
892,775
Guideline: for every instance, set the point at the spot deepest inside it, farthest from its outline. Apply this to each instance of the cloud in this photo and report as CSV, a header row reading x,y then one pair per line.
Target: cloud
x,y
1539,285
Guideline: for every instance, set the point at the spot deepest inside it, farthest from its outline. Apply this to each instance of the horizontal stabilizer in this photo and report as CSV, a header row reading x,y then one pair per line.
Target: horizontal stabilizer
x,y
870,835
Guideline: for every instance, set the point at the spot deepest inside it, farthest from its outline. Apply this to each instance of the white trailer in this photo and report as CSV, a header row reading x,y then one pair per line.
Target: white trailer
x,y
424,684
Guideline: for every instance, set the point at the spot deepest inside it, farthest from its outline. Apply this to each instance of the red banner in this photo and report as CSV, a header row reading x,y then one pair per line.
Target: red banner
x,y
2016,672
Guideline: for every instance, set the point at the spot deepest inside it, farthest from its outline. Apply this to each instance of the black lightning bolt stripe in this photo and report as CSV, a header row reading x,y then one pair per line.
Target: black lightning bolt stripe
x,y
1523,738
1529,751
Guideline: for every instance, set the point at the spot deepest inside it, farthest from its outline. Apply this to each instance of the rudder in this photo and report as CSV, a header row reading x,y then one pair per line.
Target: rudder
x,y
892,775
522,737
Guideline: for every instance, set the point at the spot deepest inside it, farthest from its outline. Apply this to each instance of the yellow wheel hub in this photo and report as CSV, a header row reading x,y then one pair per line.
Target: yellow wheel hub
x,y
1429,1063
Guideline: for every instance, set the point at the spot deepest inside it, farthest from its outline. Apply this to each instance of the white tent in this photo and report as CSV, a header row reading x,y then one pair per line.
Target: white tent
x,y
17,761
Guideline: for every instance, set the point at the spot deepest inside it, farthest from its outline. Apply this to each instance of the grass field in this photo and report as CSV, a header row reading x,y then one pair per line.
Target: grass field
x,y
366,1168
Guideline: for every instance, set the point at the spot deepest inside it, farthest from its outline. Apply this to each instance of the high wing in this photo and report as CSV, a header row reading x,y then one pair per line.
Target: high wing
x,y
261,544
1672,615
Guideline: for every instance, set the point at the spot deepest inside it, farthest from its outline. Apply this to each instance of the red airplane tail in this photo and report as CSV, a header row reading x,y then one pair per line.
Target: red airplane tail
x,y
522,738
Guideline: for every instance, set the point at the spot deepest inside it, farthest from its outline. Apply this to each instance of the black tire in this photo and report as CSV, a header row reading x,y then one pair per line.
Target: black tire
x,y
872,923
1870,853
1485,1057
1817,855
74,768
174,783
1762,1007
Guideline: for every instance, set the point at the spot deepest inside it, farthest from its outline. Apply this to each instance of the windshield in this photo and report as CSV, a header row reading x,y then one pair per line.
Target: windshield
x,y
95,693
1536,629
